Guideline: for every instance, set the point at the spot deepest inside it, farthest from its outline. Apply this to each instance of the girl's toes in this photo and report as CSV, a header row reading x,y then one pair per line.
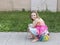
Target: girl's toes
x,y
35,40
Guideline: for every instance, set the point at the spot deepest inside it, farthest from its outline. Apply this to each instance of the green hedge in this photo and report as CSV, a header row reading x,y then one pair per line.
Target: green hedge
x,y
16,21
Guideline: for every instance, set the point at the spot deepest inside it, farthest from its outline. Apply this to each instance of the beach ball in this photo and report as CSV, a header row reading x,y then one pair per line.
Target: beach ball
x,y
41,38
44,38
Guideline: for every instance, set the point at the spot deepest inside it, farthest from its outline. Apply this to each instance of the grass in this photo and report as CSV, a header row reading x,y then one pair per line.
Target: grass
x,y
16,21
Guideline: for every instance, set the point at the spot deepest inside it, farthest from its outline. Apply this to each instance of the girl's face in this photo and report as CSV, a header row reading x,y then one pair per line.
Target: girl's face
x,y
33,16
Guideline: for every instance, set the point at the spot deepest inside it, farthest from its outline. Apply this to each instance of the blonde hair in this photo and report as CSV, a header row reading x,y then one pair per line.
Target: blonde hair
x,y
36,14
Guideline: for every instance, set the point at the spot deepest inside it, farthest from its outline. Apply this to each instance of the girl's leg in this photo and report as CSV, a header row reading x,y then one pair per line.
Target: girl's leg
x,y
31,35
35,39
29,30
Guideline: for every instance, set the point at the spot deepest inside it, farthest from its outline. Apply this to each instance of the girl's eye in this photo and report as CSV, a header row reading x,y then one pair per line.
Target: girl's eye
x,y
34,15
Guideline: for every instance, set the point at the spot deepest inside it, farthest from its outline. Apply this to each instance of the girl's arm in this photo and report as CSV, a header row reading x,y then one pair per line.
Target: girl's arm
x,y
35,22
38,22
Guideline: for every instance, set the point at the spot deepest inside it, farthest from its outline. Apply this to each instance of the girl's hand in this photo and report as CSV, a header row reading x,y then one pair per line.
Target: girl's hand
x,y
38,23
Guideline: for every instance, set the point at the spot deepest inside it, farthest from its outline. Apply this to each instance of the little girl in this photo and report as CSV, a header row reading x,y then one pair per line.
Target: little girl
x,y
38,27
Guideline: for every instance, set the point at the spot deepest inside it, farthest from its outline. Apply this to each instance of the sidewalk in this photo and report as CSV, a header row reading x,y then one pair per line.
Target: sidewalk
x,y
21,38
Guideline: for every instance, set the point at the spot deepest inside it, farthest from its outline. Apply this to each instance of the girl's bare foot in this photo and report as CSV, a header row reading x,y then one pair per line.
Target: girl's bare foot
x,y
34,40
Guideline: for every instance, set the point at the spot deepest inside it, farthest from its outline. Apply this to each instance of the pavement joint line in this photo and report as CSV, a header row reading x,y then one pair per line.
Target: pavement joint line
x,y
8,39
